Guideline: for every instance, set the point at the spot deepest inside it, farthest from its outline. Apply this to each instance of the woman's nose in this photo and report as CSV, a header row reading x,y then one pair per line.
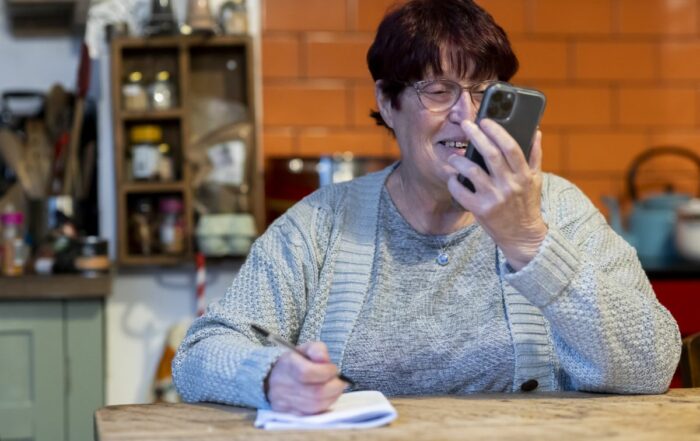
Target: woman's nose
x,y
464,109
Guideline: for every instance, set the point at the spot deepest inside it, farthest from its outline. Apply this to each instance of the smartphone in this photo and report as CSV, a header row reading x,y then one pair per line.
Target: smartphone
x,y
516,109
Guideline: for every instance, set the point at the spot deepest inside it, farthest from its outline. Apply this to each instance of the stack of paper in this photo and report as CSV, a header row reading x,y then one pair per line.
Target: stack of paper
x,y
353,410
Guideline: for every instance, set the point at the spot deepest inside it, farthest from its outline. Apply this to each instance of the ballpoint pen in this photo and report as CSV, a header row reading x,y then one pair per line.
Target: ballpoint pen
x,y
276,339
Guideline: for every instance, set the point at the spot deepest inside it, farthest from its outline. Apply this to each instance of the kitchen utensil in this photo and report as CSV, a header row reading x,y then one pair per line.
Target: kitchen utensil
x,y
162,20
199,17
71,177
652,220
688,230
11,149
17,105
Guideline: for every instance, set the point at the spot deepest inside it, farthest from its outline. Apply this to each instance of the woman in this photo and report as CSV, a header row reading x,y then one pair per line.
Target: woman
x,y
413,284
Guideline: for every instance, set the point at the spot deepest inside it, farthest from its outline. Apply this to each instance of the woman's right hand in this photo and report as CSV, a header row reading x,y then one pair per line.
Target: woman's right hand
x,y
303,387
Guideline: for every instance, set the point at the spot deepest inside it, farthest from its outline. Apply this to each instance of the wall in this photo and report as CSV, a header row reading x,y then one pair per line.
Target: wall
x,y
18,56
620,76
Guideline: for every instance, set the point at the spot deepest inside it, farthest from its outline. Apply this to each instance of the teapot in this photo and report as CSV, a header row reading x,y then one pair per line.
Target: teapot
x,y
652,221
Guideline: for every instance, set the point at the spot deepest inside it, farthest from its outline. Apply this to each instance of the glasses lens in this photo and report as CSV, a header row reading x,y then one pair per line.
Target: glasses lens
x,y
439,95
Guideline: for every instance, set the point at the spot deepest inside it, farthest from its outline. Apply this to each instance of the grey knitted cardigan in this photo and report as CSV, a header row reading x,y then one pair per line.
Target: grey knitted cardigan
x,y
582,313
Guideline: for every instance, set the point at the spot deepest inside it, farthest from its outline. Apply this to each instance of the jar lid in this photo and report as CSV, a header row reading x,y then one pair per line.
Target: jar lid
x,y
135,76
146,133
13,218
171,205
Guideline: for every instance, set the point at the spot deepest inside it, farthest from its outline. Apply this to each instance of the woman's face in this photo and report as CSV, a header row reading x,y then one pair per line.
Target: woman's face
x,y
427,138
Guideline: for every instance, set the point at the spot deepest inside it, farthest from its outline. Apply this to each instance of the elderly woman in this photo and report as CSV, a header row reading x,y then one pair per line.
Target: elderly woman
x,y
410,283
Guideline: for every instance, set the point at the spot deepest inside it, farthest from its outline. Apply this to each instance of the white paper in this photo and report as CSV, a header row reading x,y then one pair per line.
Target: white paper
x,y
353,410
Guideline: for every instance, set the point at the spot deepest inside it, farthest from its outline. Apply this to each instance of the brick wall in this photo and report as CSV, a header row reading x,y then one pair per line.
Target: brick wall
x,y
620,76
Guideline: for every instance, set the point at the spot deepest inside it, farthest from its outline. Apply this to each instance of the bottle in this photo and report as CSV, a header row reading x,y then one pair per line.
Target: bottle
x,y
166,164
172,229
134,96
162,92
14,250
145,155
140,223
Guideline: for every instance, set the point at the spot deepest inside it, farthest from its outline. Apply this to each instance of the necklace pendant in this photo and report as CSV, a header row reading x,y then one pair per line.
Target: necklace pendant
x,y
442,259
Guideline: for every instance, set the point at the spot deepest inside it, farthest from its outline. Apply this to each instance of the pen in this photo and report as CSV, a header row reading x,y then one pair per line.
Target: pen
x,y
276,339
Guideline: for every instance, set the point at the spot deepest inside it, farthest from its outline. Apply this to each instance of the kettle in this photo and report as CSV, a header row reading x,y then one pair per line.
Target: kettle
x,y
652,221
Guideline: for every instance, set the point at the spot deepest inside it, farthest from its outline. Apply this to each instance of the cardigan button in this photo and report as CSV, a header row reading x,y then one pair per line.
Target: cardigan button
x,y
529,386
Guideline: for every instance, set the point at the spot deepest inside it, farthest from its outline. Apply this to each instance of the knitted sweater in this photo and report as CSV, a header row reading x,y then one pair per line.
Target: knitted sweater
x,y
582,314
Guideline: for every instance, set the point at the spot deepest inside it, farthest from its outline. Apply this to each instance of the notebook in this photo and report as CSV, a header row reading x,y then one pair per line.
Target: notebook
x,y
353,410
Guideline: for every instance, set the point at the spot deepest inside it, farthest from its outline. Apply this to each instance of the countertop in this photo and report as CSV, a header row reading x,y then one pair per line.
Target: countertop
x,y
54,287
522,417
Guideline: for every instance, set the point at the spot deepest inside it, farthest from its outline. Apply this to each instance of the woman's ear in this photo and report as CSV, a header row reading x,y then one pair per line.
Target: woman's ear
x,y
384,104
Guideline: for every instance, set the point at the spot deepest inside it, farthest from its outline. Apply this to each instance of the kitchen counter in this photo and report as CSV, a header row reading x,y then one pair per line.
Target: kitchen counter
x,y
54,287
680,270
541,417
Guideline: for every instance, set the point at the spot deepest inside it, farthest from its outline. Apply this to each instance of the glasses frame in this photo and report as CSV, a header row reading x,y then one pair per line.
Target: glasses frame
x,y
473,89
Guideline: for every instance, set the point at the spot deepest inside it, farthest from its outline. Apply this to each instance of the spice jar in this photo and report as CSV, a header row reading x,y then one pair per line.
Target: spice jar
x,y
162,92
134,96
14,250
166,163
140,224
145,156
172,228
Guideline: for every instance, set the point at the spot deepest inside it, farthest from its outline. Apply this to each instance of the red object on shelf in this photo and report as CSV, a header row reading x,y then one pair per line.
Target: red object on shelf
x,y
682,299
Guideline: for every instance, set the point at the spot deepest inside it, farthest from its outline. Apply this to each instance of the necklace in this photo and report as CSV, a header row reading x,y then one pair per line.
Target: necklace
x,y
442,258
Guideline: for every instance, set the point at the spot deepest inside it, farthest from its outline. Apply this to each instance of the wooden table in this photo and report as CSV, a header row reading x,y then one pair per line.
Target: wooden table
x,y
522,417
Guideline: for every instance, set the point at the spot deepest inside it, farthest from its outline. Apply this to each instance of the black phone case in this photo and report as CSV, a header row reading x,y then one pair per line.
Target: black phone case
x,y
521,123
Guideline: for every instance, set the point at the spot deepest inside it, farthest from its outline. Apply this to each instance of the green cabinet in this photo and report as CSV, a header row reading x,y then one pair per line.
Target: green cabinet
x,y
51,368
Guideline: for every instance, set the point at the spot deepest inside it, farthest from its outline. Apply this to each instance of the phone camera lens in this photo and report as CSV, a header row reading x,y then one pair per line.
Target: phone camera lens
x,y
507,106
497,97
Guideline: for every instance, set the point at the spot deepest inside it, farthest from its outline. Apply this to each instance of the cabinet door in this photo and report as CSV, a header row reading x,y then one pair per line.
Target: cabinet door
x,y
32,371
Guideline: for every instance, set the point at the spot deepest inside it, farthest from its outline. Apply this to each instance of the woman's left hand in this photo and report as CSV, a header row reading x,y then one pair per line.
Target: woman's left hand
x,y
506,202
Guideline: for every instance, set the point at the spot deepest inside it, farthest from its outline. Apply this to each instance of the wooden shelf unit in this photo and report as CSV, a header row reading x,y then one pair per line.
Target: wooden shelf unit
x,y
216,67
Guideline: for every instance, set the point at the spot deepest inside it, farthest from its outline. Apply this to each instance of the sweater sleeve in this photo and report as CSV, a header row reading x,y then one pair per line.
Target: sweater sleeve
x,y
221,359
610,332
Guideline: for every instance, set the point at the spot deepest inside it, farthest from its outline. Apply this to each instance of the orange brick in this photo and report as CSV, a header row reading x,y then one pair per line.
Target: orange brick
x,y
603,151
542,60
371,12
509,14
552,148
680,61
614,61
577,106
658,17
661,106
595,187
304,15
319,141
362,101
304,104
278,142
280,57
572,16
687,139
337,56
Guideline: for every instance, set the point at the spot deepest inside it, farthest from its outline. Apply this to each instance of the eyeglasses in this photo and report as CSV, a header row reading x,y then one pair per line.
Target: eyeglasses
x,y
440,95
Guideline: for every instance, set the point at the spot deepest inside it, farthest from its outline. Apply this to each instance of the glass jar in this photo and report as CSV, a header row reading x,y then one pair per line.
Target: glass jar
x,y
166,164
145,155
172,227
141,236
14,250
161,92
134,96
233,17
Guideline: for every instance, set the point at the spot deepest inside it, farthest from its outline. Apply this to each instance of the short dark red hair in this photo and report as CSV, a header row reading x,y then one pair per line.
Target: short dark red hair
x,y
413,38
